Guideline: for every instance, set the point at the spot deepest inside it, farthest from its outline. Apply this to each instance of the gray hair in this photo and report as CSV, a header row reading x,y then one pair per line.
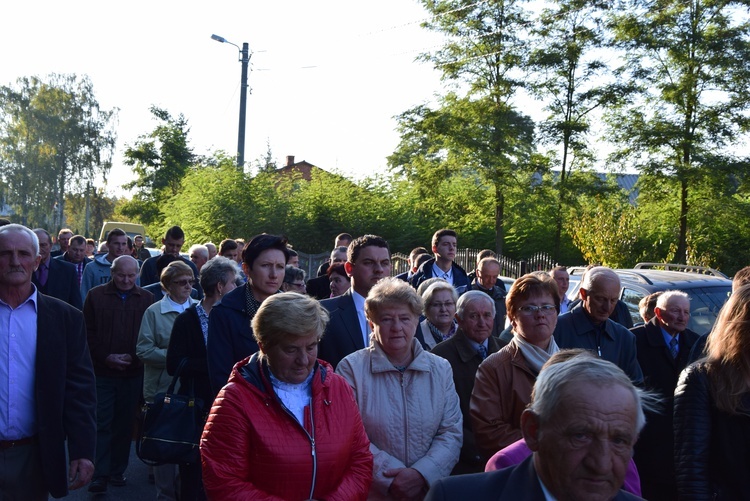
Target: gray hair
x,y
201,249
19,228
424,285
390,291
434,288
663,299
292,273
338,249
596,274
216,271
116,263
553,381
470,297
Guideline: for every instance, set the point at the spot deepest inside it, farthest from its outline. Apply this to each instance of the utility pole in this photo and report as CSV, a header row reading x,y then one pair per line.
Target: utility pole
x,y
243,108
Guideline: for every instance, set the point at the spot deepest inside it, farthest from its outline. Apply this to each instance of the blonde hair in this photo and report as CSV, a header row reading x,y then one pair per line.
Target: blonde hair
x,y
287,315
390,291
172,271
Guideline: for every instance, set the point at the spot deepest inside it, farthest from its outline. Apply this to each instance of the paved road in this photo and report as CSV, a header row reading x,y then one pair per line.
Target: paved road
x,y
138,487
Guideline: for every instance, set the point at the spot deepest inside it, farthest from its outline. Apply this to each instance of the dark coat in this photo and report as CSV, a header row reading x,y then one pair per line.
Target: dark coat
x,y
186,341
425,272
343,334
465,360
148,274
230,337
575,330
516,483
65,391
62,283
319,287
654,449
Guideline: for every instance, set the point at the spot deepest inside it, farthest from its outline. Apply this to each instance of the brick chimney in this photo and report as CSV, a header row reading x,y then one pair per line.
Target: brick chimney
x,y
289,160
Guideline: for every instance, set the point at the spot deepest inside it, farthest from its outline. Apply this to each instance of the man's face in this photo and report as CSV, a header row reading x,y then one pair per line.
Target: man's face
x,y
231,254
64,240
138,242
601,299
125,275
294,261
446,248
563,281
76,252
45,245
583,452
198,259
373,263
675,316
477,321
487,275
17,259
172,246
117,246
338,257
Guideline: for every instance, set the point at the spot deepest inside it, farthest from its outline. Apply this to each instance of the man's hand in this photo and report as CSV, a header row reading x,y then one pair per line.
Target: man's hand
x,y
80,473
118,361
407,483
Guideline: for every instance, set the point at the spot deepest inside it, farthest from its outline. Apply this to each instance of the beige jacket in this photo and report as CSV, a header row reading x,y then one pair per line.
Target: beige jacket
x,y
412,419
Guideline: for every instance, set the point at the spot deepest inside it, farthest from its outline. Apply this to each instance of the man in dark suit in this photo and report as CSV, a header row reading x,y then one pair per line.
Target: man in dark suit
x,y
76,255
63,240
54,277
475,313
320,287
52,398
663,345
368,261
581,425
173,241
412,261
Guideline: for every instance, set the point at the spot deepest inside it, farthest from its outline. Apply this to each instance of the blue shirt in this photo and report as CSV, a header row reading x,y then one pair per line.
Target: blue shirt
x,y
17,369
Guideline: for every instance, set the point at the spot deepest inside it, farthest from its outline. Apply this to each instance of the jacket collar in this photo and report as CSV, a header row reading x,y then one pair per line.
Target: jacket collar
x,y
583,324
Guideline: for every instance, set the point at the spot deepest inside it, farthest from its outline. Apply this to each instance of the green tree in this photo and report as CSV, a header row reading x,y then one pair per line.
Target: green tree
x,y
54,140
690,61
101,207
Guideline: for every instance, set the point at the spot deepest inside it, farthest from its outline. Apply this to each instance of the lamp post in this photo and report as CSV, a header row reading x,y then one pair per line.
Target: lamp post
x,y
245,59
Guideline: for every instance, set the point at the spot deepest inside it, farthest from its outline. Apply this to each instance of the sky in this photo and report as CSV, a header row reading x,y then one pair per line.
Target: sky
x,y
327,77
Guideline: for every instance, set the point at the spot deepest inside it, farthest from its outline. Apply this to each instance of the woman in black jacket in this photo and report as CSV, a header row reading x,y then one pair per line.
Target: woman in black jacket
x,y
712,411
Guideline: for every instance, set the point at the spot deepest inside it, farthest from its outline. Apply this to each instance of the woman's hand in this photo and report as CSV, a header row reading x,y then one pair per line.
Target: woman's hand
x,y
407,483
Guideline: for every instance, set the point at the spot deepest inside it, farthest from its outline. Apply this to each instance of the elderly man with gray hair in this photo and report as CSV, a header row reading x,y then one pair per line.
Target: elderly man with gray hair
x,y
588,325
582,423
475,313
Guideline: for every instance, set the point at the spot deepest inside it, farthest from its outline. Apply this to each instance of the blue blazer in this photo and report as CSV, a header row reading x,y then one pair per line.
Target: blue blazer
x,y
343,334
62,283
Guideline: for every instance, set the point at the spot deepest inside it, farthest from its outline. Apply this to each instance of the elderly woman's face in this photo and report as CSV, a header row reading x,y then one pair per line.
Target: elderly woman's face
x,y
180,288
534,320
394,328
442,309
293,358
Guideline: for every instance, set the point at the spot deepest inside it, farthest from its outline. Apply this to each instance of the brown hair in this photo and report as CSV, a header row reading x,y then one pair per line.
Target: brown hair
x,y
531,285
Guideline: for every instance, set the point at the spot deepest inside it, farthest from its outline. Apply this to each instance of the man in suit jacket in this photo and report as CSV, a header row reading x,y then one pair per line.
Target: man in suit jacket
x,y
173,241
368,261
54,277
76,255
475,313
581,425
53,396
662,365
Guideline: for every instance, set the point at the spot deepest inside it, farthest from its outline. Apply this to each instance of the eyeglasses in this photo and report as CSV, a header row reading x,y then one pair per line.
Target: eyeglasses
x,y
184,282
544,309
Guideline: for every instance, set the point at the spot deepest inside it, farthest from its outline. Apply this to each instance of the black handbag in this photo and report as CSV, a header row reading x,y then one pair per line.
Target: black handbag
x,y
171,427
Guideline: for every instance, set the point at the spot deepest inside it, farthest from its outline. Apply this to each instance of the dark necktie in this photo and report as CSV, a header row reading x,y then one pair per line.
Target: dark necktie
x,y
41,275
482,350
674,348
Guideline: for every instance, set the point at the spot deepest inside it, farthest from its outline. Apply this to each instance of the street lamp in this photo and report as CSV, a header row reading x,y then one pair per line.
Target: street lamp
x,y
245,59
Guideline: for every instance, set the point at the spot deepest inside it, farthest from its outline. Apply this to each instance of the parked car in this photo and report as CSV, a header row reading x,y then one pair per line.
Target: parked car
x,y
708,289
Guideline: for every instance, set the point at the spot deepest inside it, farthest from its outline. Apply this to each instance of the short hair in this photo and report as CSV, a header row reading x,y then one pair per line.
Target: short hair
x,y
19,228
336,269
741,278
122,259
264,242
344,236
172,271
217,270
488,260
558,268
416,251
64,230
292,273
4,221
391,291
137,236
202,249
484,253
292,252
78,239
175,233
130,243
528,286
91,241
434,288
287,315
359,243
338,249
43,231
163,261
445,232
596,274
116,232
553,381
427,283
647,304
664,298
469,297
226,245
422,259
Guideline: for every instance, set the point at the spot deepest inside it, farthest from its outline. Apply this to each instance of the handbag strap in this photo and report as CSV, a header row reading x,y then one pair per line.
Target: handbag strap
x,y
176,377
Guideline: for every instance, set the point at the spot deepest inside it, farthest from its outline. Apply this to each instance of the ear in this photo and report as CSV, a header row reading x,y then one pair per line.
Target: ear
x,y
530,429
245,269
583,293
658,313
434,249
348,268
513,322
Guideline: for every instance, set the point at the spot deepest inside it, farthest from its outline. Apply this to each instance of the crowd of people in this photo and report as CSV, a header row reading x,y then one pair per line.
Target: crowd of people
x,y
434,384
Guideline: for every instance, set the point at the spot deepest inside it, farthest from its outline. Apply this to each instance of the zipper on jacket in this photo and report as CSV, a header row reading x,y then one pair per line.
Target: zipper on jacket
x,y
310,437
406,424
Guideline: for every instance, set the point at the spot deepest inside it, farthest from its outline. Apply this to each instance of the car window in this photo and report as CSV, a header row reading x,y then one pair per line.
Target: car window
x,y
705,304
632,297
